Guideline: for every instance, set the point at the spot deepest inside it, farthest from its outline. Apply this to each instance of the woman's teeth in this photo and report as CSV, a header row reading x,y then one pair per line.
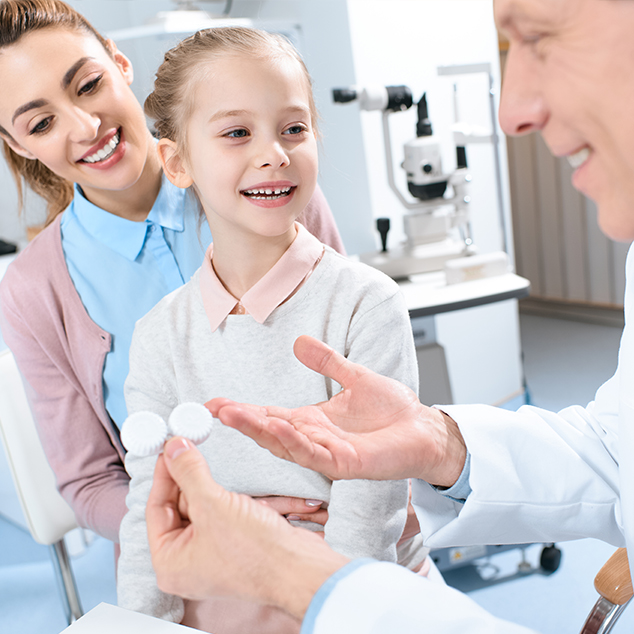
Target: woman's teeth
x,y
105,152
578,158
267,194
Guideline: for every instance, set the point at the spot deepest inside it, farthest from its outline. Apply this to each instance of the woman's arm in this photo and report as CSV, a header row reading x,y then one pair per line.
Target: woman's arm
x,y
318,219
85,457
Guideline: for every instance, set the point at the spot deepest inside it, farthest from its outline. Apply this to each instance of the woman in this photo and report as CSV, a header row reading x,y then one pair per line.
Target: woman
x,y
119,238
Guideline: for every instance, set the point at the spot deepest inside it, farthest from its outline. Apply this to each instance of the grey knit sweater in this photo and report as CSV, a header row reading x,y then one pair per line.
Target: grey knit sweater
x,y
176,358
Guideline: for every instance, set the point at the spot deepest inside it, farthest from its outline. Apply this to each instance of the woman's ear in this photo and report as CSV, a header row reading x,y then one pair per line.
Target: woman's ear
x,y
16,147
124,64
173,164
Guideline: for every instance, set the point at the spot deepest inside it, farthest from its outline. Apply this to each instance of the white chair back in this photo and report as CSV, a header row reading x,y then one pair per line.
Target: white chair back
x,y
48,515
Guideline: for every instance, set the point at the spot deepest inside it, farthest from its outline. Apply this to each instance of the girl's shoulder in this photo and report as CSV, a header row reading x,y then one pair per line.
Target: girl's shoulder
x,y
352,272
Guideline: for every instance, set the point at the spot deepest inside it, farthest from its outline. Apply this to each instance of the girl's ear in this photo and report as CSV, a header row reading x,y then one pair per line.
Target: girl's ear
x,y
124,64
173,164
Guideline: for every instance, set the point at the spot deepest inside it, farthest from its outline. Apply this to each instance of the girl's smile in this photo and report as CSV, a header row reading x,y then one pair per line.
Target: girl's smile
x,y
270,194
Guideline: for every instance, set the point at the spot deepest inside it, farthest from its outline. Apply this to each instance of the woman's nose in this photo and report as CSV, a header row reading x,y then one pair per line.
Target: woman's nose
x,y
85,125
523,108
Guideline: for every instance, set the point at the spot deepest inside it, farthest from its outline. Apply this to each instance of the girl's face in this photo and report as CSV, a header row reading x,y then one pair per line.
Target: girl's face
x,y
251,147
68,103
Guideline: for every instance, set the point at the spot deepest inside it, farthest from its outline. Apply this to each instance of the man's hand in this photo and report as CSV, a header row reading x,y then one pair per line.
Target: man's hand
x,y
207,541
375,428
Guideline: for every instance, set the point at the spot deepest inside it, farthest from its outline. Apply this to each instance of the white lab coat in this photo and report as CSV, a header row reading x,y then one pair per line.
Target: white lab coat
x,y
536,476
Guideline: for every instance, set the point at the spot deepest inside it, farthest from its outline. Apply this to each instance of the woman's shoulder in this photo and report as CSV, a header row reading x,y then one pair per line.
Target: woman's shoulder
x,y
40,265
174,307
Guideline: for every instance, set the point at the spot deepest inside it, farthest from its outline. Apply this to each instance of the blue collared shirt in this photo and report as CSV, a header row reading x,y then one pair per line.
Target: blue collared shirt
x,y
121,269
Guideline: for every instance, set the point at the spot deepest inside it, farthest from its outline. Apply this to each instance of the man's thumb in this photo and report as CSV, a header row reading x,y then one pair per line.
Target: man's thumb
x,y
186,464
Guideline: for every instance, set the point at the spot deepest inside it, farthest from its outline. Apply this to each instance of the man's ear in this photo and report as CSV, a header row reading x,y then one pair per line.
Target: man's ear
x,y
16,147
124,64
173,164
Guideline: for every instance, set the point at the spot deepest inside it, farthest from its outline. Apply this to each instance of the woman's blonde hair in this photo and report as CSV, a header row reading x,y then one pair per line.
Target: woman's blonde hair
x,y
18,18
170,104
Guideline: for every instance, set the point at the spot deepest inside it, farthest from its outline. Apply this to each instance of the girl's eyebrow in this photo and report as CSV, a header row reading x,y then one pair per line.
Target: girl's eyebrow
x,y
39,103
223,114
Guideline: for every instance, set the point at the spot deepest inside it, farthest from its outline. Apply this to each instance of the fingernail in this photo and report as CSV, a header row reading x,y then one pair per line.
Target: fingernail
x,y
176,447
293,518
313,502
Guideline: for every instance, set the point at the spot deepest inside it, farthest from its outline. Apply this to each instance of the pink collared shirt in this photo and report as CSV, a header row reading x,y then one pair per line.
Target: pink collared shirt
x,y
277,285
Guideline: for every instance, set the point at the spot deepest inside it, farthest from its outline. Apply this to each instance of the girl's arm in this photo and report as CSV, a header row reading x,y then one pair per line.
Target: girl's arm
x,y
366,518
150,386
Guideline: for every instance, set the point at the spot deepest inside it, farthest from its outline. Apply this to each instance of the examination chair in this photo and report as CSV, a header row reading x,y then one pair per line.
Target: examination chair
x,y
614,585
47,514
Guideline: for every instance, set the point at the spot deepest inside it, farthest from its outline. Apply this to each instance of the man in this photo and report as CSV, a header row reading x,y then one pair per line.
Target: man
x,y
482,475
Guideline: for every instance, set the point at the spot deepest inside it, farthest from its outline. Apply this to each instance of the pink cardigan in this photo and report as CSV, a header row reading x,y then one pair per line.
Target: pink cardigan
x,y
60,352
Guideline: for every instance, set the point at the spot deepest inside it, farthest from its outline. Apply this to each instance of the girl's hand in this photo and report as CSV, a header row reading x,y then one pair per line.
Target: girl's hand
x,y
297,508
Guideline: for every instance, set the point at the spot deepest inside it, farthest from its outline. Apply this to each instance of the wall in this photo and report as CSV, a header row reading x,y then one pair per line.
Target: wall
x,y
387,42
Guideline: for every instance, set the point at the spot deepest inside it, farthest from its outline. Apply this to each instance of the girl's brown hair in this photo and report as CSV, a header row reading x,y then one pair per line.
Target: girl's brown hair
x,y
17,18
170,104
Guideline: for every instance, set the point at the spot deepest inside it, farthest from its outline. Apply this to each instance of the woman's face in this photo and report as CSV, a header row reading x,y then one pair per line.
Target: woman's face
x,y
570,76
68,103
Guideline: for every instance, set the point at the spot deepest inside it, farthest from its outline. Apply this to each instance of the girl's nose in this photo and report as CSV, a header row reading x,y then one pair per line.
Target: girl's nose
x,y
523,108
273,155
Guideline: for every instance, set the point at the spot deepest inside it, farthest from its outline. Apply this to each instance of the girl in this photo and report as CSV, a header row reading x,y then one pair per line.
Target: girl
x,y
236,117
119,238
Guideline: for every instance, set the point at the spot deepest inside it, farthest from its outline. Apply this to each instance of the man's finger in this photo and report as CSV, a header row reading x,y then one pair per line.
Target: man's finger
x,y
161,510
321,358
253,425
189,469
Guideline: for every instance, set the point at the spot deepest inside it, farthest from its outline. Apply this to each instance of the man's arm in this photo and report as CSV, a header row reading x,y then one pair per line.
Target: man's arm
x,y
375,428
195,527
206,541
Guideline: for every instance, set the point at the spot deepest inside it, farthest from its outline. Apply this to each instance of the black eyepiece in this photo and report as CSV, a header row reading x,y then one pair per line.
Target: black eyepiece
x,y
343,95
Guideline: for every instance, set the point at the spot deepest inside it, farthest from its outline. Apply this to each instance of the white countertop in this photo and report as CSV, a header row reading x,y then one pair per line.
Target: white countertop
x,y
429,294
106,619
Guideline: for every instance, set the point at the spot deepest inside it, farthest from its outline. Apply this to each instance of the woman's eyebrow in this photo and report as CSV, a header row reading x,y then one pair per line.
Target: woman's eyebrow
x,y
36,103
72,71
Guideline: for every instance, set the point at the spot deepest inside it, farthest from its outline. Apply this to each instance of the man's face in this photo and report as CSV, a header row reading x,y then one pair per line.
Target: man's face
x,y
570,76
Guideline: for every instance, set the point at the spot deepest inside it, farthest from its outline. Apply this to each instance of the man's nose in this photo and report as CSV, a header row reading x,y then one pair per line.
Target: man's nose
x,y
522,105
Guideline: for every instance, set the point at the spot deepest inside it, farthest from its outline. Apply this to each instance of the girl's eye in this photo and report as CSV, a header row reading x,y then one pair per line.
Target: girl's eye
x,y
90,86
237,134
295,129
42,126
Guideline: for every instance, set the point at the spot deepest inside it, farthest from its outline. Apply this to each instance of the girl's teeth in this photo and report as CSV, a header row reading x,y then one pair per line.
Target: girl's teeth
x,y
267,192
578,158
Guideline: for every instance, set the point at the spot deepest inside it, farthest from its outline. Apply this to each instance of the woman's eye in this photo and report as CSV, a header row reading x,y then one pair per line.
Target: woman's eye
x,y
237,134
90,86
42,126
296,129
